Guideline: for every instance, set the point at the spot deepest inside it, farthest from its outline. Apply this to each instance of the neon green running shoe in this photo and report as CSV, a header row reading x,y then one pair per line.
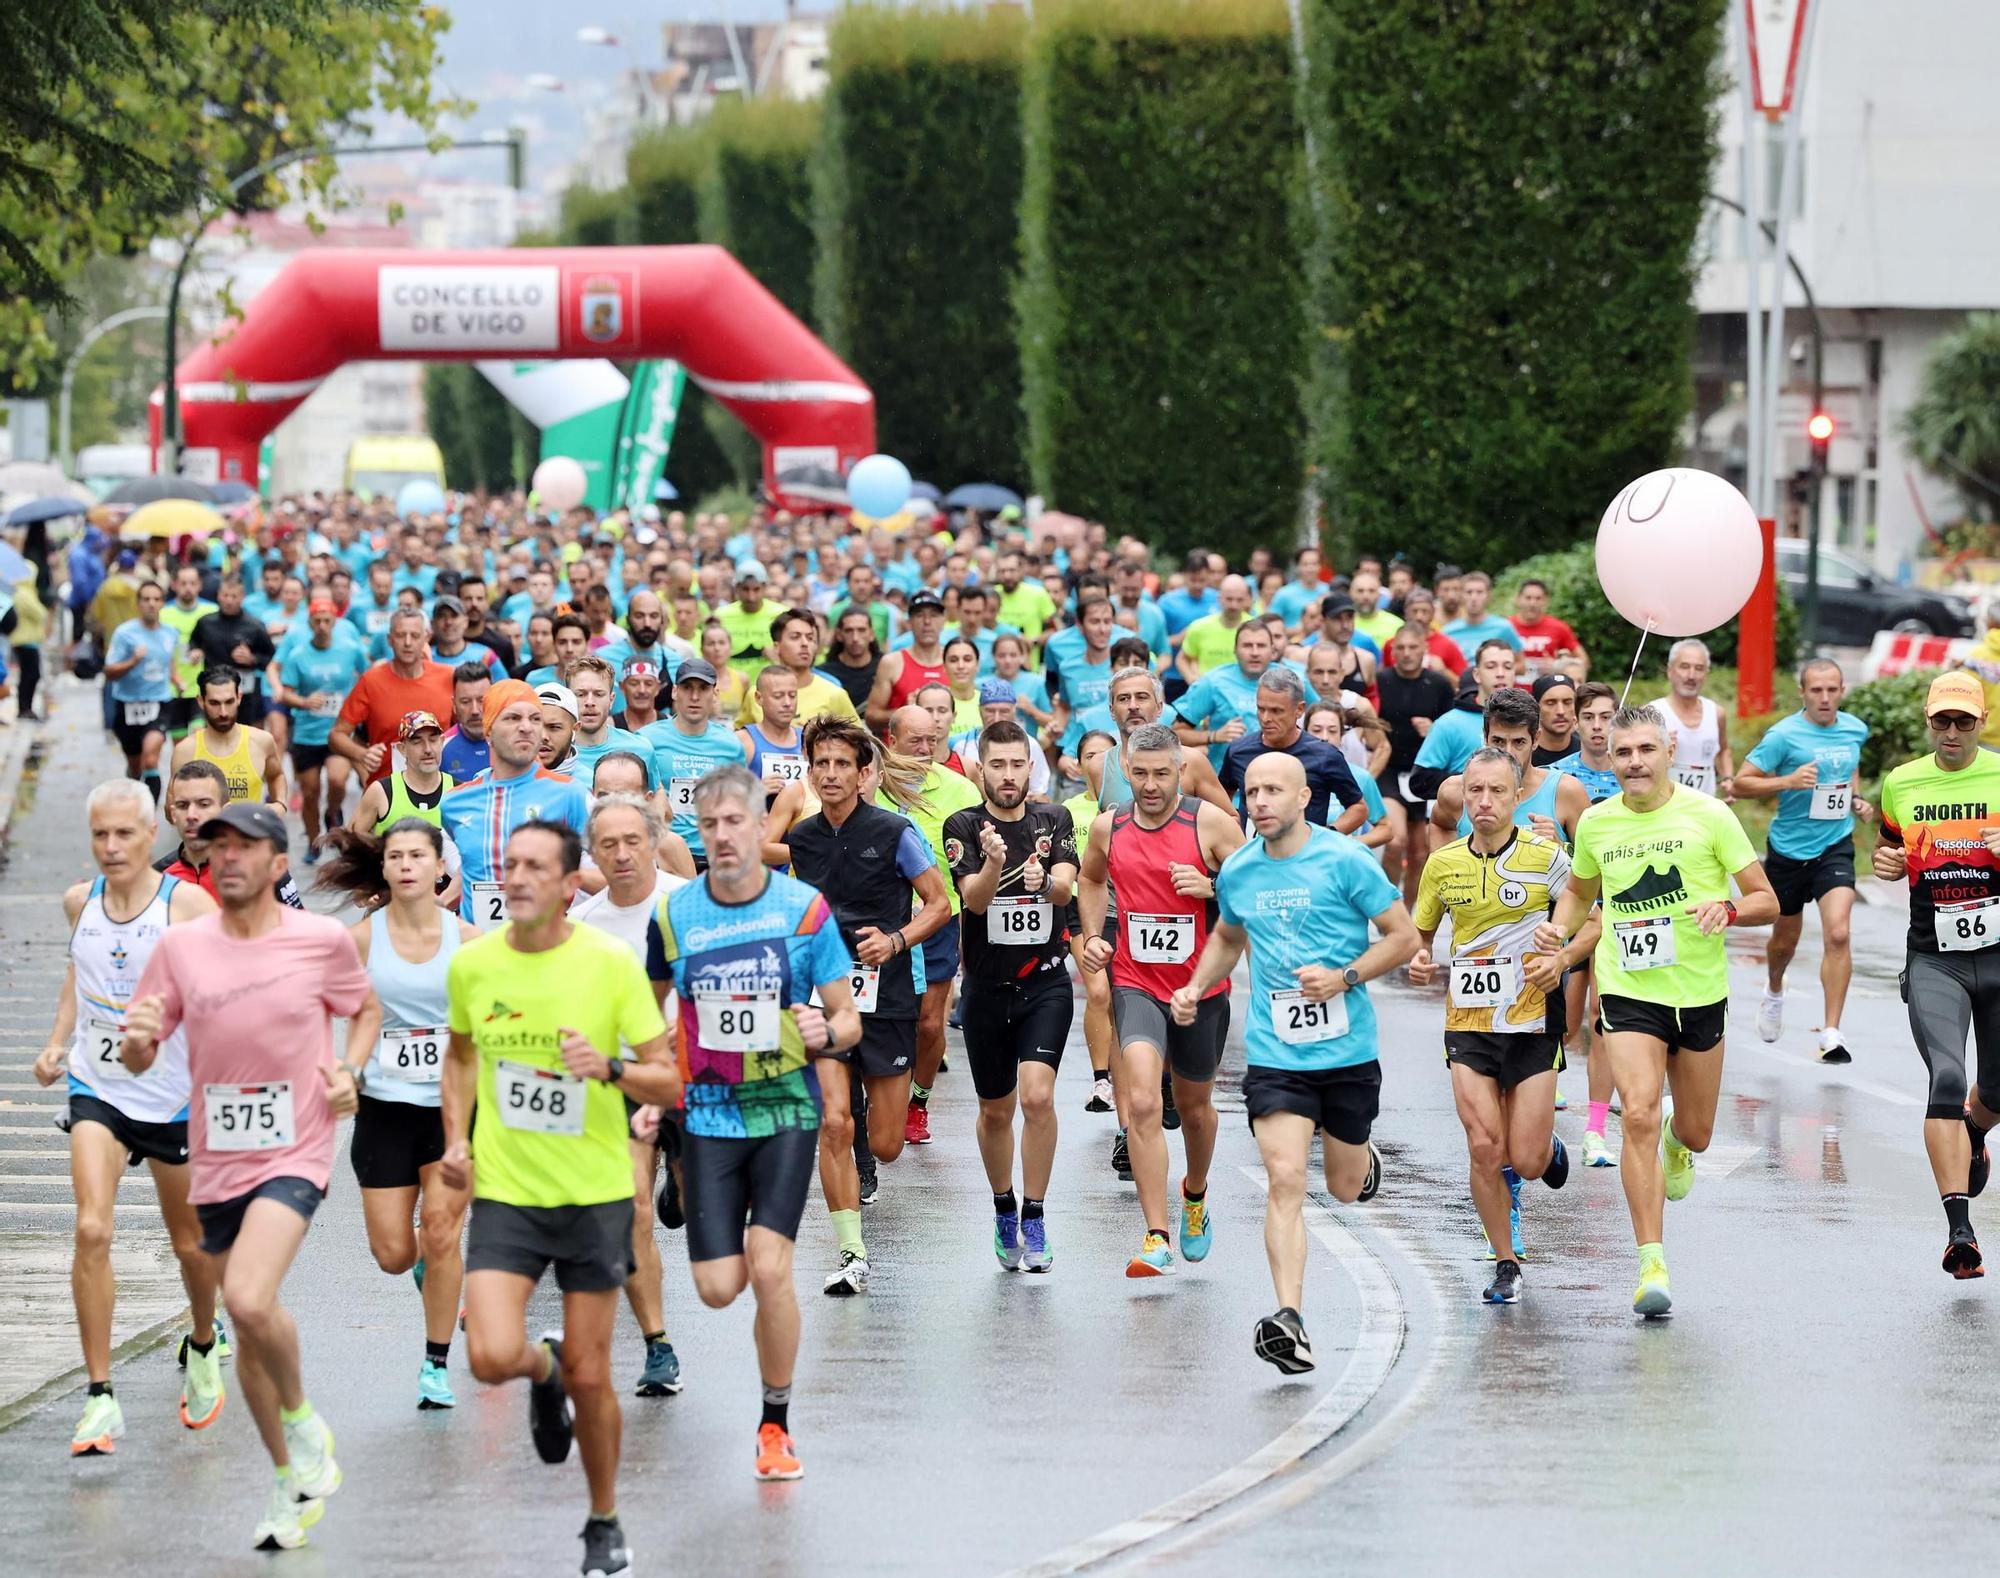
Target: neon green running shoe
x,y
1678,1164
1651,1296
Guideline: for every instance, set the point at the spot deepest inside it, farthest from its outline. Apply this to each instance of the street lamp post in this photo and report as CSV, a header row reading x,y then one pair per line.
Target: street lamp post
x,y
91,336
170,406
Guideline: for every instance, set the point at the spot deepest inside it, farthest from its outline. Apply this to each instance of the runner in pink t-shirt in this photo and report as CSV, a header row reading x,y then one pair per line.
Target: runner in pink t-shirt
x,y
257,988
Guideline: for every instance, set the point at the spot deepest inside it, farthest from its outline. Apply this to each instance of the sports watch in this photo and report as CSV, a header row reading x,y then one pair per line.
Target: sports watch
x,y
1351,976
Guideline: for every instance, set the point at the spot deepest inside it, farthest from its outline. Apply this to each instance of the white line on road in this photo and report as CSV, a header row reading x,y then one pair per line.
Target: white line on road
x,y
1377,1344
1901,1098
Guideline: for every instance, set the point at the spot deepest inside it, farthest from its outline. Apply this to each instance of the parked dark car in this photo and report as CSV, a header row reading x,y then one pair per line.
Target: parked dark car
x,y
1855,602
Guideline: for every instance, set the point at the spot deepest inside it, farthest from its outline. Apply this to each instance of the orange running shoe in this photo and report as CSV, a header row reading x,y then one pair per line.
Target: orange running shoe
x,y
776,1458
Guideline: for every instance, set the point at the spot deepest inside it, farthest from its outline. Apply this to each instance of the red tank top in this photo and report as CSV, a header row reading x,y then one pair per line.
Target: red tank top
x,y
1160,933
915,677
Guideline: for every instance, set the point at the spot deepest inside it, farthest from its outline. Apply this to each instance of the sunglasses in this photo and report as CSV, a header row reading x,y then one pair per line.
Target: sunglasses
x,y
1945,722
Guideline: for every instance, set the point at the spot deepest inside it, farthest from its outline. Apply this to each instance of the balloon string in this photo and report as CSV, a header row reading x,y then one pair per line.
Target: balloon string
x,y
1644,631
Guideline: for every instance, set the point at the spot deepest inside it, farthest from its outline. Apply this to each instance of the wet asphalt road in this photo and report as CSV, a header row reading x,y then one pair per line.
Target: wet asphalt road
x,y
1816,1403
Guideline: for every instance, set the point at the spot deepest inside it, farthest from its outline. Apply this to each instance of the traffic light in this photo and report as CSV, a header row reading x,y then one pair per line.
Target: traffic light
x,y
1819,430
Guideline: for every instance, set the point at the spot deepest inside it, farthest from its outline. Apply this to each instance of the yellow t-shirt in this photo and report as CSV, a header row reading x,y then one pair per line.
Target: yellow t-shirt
x,y
515,1006
818,697
1211,643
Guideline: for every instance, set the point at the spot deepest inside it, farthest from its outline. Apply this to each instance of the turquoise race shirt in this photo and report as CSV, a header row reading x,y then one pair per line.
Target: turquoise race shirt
x,y
1811,821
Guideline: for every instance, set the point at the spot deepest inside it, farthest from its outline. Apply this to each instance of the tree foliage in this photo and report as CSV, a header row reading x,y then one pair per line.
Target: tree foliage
x,y
1162,319
1953,426
755,196
121,118
474,426
590,218
918,190
1506,199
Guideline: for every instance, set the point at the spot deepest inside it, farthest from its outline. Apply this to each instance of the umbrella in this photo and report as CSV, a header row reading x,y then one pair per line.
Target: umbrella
x,y
148,490
171,518
231,492
53,508
14,569
925,490
817,483
986,497
34,479
663,489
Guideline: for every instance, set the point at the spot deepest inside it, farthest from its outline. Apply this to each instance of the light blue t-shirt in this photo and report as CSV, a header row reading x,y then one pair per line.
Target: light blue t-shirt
x,y
1291,601
1211,701
584,768
331,671
1600,782
1792,742
153,677
1452,740
1033,688
1180,608
688,756
1491,628
1312,908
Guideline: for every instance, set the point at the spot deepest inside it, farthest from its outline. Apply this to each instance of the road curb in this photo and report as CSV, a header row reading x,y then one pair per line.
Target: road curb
x,y
21,743
69,1380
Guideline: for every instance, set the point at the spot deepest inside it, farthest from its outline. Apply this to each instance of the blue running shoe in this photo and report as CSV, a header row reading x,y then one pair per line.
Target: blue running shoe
x,y
1557,1172
1153,1260
434,1387
662,1375
1197,1228
417,1273
1514,1210
1035,1252
1007,1239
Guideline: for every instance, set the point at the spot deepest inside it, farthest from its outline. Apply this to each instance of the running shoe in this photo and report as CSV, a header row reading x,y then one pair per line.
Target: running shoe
x,y
1961,1257
1557,1172
1505,1288
1651,1296
1372,1184
1035,1252
97,1432
1771,1016
1100,1094
1154,1258
1121,1158
434,1387
871,1187
551,1425
667,1205
1170,1116
917,1125
286,1519
417,1273
1007,1239
315,1475
1197,1229
312,859
1595,1152
605,1552
1982,1163
1281,1339
201,1389
1677,1164
662,1375
1562,1101
1832,1049
777,1458
222,1348
850,1279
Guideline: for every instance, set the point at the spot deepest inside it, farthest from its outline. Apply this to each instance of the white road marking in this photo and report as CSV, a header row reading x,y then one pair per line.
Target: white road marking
x,y
1888,1093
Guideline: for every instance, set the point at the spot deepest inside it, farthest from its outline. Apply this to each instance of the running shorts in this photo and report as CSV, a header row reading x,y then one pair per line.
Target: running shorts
x,y
158,1142
132,736
309,758
1194,1052
1007,1025
728,1183
1682,1029
1950,996
887,1047
394,1141
1801,882
1509,1059
941,954
222,1220
589,1245
1342,1101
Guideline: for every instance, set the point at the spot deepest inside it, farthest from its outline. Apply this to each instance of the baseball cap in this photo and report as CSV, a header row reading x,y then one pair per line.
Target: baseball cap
x,y
447,605
252,821
558,696
926,599
1548,682
1955,692
751,570
1335,603
995,692
697,669
416,722
1010,512
642,666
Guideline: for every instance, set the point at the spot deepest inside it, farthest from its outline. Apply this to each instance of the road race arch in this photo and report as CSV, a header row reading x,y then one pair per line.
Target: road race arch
x,y
694,304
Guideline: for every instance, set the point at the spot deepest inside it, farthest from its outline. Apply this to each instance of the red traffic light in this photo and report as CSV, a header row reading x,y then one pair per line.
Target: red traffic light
x,y
1819,427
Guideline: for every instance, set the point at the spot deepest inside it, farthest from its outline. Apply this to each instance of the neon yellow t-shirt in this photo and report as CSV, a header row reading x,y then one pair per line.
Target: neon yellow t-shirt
x,y
1210,642
1657,864
944,792
515,1005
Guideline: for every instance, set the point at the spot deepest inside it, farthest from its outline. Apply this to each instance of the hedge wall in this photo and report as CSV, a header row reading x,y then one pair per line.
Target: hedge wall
x,y
756,193
1162,319
1507,197
917,198
590,218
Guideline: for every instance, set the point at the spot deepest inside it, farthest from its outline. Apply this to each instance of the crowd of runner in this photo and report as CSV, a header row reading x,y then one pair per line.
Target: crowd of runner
x,y
674,840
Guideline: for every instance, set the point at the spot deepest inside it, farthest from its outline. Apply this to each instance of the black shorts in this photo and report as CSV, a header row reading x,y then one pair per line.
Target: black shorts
x,y
941,955
1342,1101
394,1141
729,1184
158,1142
253,707
887,1047
1194,1052
223,1220
132,736
309,758
1510,1059
180,715
1800,882
589,1245
1007,1025
1683,1029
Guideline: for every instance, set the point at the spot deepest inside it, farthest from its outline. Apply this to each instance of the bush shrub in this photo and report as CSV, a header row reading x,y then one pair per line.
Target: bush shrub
x,y
1507,198
1162,311
1893,709
917,199
755,196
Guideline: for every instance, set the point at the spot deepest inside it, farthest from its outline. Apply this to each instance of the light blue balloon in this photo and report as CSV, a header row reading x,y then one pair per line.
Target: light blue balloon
x,y
419,496
879,485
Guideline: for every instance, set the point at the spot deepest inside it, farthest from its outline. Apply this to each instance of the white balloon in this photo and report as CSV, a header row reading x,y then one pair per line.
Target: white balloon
x,y
560,483
1679,552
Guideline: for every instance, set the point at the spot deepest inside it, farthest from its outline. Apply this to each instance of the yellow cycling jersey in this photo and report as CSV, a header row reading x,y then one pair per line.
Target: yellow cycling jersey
x,y
1495,902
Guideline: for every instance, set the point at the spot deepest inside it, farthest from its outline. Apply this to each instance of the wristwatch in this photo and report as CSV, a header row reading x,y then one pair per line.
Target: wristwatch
x,y
1351,976
614,1070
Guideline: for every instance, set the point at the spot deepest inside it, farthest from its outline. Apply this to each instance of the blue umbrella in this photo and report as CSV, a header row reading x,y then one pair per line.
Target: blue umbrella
x,y
50,509
925,490
663,489
231,492
13,568
986,497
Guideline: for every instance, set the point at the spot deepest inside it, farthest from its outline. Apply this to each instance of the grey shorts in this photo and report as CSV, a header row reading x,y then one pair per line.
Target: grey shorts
x,y
1194,1052
589,1245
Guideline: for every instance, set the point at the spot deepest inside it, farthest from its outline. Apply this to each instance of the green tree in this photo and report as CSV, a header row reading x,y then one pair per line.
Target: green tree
x,y
473,425
1953,426
590,218
121,118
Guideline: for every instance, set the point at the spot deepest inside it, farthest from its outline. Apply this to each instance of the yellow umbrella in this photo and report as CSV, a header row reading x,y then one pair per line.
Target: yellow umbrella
x,y
171,518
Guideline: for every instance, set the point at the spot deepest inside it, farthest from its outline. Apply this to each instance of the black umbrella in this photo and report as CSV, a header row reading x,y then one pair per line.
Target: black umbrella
x,y
817,483
230,492
989,498
50,509
149,490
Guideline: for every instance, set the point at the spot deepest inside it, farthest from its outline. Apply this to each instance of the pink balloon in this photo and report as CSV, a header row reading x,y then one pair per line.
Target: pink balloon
x,y
1679,551
560,483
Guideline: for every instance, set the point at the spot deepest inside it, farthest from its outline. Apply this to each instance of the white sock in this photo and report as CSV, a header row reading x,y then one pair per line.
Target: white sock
x,y
1773,997
1830,1037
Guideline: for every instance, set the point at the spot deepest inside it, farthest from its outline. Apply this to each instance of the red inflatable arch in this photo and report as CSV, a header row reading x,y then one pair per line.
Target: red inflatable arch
x,y
696,304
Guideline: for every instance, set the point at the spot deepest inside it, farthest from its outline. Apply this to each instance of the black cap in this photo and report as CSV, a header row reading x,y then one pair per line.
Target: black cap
x,y
252,821
925,598
695,668
1548,682
447,605
1335,603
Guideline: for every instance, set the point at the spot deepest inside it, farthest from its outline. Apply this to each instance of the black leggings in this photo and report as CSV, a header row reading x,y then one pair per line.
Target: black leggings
x,y
1007,1025
1951,994
29,661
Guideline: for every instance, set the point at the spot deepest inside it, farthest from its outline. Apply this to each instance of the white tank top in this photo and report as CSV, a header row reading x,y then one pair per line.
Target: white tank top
x,y
1694,748
109,957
